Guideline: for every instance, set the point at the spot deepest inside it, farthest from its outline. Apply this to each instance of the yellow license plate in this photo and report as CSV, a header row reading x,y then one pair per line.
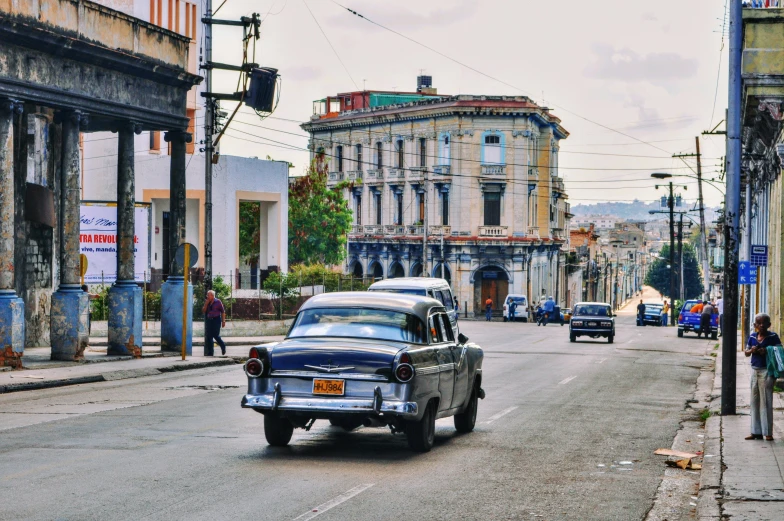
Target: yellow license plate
x,y
335,387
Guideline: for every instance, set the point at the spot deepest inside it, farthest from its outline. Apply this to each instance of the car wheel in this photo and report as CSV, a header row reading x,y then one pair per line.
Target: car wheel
x,y
525,319
466,420
572,338
610,339
277,430
421,434
680,333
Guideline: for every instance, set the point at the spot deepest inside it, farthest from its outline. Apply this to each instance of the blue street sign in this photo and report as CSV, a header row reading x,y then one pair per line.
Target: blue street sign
x,y
759,255
747,274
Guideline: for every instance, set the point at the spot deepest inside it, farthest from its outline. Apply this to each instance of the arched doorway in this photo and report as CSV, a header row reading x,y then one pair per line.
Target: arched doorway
x,y
490,282
396,271
356,270
376,270
447,273
416,270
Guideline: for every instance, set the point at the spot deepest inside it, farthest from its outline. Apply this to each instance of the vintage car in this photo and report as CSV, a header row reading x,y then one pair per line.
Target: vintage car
x,y
593,319
653,314
367,358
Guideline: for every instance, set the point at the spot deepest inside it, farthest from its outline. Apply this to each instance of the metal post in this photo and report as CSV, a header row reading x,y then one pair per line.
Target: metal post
x,y
209,125
731,215
681,286
671,206
703,229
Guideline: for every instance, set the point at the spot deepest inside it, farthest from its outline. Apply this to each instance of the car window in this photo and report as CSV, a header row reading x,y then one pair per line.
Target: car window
x,y
446,299
447,328
436,331
359,323
592,310
404,291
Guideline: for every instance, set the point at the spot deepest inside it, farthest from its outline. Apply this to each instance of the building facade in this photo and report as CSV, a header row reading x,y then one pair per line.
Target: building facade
x,y
461,186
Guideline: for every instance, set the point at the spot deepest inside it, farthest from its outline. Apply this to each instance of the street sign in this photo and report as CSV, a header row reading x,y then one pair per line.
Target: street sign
x,y
180,258
759,255
747,274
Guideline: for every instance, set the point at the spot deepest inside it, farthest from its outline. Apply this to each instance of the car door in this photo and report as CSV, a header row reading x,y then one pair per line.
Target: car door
x,y
460,356
446,365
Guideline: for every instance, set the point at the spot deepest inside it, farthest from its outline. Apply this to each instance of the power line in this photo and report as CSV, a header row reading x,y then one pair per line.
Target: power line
x,y
330,44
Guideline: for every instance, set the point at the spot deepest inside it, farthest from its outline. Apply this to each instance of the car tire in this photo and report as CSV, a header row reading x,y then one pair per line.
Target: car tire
x,y
572,338
421,434
680,333
466,420
525,319
610,339
277,430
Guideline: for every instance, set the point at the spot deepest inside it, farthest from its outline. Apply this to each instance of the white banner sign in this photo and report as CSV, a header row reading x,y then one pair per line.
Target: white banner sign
x,y
98,241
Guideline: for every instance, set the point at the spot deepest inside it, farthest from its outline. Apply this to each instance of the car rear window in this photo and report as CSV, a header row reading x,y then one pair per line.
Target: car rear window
x,y
517,300
404,291
592,310
359,323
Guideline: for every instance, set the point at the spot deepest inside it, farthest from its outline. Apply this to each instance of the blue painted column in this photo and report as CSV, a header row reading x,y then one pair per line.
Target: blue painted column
x,y
125,297
12,324
70,305
172,289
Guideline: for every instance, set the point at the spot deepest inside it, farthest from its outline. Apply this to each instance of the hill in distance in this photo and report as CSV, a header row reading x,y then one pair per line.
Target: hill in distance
x,y
637,210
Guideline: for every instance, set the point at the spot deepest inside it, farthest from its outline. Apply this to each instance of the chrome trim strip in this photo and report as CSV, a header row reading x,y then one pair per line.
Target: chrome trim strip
x,y
329,369
314,374
265,402
433,369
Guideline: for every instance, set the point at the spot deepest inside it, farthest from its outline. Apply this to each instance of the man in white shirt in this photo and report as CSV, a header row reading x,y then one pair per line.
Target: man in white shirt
x,y
720,309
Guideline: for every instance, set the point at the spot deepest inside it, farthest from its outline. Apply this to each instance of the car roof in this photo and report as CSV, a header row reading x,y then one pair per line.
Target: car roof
x,y
516,295
410,282
592,304
414,304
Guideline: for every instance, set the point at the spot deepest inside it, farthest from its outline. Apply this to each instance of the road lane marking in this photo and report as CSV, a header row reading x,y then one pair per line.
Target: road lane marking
x,y
603,360
500,414
332,503
566,380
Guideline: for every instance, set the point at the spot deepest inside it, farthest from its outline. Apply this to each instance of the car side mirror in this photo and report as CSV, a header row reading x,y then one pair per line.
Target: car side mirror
x,y
462,338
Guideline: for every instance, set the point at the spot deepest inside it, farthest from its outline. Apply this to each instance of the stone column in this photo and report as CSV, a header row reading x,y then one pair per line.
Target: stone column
x,y
12,322
70,305
172,289
125,297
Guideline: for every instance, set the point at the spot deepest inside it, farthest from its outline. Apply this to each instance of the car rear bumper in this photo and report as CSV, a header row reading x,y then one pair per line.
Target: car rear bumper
x,y
325,406
598,332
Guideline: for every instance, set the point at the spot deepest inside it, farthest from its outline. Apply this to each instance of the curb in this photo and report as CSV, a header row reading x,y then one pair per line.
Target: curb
x,y
110,376
710,478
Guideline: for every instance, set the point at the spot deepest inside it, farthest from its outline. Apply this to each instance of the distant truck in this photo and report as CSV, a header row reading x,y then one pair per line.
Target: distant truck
x,y
688,321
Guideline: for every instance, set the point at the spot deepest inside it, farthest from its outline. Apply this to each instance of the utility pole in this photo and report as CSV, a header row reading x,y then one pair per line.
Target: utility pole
x,y
209,119
703,229
681,293
671,206
731,215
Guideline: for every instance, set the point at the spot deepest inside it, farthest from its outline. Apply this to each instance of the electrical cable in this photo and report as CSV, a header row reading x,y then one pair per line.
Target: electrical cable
x,y
330,44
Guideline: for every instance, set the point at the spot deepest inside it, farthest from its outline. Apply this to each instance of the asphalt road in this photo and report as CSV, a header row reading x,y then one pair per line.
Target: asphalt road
x,y
558,422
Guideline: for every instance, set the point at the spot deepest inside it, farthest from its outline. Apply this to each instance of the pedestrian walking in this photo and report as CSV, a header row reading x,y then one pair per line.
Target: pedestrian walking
x,y
720,310
665,313
488,309
640,314
457,309
761,381
705,319
512,305
215,318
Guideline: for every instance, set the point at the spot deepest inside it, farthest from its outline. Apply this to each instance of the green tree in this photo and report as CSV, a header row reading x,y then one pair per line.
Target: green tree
x,y
250,231
319,218
658,276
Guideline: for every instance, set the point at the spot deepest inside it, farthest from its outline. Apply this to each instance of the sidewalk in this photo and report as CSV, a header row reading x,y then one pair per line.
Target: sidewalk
x,y
750,474
234,328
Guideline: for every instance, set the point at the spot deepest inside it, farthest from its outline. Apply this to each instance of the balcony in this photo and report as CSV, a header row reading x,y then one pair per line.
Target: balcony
x,y
416,174
354,175
415,229
494,170
396,174
442,170
374,176
533,231
334,178
440,230
394,229
374,229
493,231
357,229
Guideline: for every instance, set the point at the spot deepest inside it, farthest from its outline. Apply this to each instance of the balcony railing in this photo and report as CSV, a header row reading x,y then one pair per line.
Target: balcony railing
x,y
357,229
354,175
394,229
494,170
374,229
396,173
493,231
416,173
533,231
439,230
375,175
442,170
416,229
334,178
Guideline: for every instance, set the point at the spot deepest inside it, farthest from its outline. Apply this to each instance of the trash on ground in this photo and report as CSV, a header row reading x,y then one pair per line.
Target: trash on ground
x,y
679,454
685,464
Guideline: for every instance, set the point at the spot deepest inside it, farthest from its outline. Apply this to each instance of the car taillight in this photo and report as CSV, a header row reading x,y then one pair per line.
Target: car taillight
x,y
254,353
404,372
680,317
405,358
254,367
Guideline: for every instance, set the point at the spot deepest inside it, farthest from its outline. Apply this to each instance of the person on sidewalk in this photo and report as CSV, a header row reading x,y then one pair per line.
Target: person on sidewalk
x,y
488,309
512,306
641,313
720,310
215,318
761,383
705,319
665,313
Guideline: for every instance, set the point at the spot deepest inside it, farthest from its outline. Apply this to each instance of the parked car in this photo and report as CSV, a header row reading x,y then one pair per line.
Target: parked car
x,y
653,314
690,322
566,314
367,358
593,319
425,286
521,311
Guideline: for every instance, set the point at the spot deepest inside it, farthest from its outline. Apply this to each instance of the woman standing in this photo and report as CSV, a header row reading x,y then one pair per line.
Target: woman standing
x,y
761,382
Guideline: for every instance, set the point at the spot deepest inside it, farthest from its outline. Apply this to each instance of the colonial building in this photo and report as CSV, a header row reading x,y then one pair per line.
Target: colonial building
x,y
464,186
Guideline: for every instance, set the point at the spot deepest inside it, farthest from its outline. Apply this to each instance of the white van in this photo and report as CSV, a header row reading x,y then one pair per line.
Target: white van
x,y
434,288
521,311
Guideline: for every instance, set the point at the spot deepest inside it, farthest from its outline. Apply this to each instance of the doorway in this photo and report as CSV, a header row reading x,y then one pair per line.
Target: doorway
x,y
493,283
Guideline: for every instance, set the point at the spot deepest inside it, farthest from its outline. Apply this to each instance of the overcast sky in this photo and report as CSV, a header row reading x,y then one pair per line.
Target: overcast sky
x,y
644,69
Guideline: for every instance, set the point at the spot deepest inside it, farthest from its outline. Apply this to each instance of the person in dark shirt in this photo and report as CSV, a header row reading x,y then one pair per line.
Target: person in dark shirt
x,y
761,383
215,317
640,314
